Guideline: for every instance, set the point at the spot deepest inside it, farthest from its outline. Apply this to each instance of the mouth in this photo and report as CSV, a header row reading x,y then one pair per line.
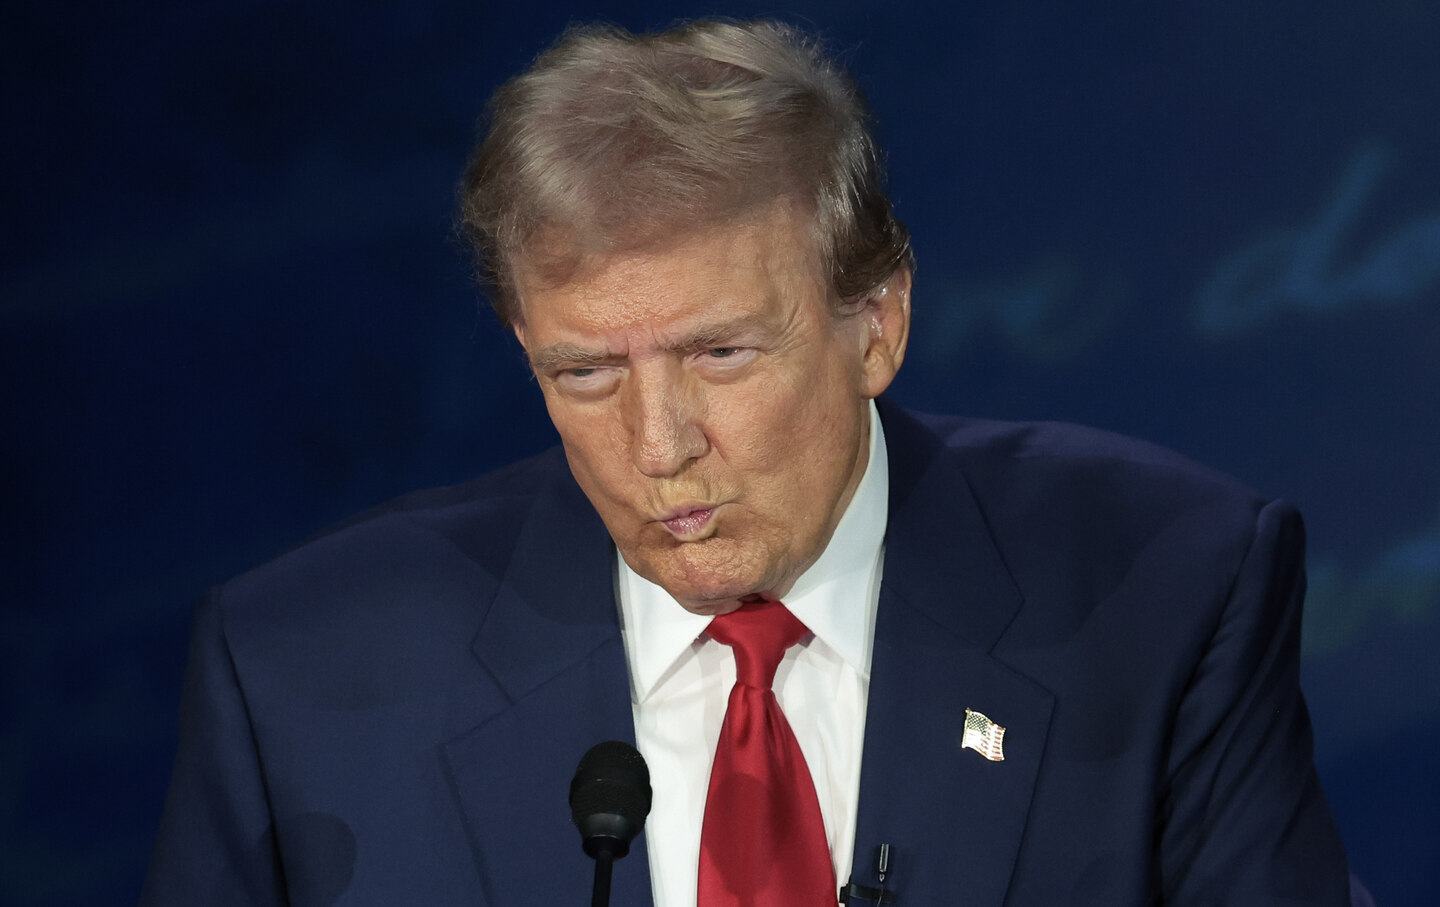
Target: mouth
x,y
689,523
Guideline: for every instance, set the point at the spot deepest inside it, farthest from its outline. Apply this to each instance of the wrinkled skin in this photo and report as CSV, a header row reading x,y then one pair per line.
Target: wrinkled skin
x,y
712,402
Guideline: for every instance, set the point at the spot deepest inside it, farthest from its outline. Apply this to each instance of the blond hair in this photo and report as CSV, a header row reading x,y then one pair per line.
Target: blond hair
x,y
615,142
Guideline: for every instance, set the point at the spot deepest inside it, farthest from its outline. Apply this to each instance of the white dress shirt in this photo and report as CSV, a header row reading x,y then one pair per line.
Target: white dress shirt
x,y
680,682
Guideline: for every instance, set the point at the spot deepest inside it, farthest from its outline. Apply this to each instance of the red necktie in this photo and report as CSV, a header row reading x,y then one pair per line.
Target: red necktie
x,y
763,840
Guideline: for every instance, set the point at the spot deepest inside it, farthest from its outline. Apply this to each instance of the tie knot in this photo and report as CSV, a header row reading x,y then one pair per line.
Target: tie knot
x,y
759,632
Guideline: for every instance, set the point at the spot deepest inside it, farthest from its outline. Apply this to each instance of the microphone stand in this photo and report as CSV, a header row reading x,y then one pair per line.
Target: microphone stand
x,y
604,863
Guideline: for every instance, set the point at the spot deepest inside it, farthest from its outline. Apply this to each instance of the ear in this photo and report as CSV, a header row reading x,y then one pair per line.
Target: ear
x,y
887,329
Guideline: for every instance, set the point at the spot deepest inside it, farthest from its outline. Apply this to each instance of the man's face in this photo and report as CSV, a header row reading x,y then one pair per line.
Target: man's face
x,y
712,406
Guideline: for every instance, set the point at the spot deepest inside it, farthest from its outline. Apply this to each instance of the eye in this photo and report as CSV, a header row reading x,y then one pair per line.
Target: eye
x,y
724,362
585,379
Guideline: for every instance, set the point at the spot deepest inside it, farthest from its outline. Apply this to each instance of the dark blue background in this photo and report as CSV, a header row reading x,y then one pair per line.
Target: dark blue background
x,y
234,311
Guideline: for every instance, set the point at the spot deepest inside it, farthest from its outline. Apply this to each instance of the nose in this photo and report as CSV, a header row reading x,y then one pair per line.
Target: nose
x,y
666,423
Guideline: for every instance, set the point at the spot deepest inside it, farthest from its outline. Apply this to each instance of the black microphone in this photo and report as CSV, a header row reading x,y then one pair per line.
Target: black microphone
x,y
609,800
855,892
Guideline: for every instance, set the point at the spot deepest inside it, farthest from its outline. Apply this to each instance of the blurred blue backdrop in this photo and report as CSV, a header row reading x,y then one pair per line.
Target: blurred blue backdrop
x,y
234,311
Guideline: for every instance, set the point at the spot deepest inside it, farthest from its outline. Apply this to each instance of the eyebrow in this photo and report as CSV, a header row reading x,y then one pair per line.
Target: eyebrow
x,y
561,355
708,335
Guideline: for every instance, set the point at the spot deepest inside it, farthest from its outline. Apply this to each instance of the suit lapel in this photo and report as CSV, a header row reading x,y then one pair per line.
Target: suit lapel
x,y
954,819
551,641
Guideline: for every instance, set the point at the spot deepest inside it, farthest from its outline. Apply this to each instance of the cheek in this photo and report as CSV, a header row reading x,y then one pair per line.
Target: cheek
x,y
754,429
593,442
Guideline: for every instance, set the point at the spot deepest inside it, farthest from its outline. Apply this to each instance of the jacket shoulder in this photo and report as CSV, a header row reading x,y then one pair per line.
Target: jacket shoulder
x,y
1061,466
403,585
476,515
1078,513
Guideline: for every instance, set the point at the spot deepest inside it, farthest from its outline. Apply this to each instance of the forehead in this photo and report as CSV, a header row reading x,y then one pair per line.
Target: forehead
x,y
733,266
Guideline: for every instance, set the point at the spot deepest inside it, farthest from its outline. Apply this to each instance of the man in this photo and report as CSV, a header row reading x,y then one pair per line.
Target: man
x,y
1039,664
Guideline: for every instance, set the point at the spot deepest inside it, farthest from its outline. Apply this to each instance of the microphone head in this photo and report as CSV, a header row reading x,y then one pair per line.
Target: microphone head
x,y
610,797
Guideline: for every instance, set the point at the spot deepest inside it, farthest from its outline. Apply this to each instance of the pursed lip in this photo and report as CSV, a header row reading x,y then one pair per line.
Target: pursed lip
x,y
689,522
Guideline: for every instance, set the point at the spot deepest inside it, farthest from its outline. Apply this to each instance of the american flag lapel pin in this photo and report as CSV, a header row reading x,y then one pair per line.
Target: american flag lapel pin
x,y
983,736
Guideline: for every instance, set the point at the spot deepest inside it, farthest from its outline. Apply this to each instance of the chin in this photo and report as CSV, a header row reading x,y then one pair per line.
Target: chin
x,y
706,577
711,608
704,596
715,594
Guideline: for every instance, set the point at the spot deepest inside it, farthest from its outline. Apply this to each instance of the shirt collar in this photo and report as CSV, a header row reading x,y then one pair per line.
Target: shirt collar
x,y
834,598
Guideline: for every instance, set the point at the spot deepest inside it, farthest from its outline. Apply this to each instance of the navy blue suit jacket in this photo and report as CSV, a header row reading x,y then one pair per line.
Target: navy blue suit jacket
x,y
391,713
